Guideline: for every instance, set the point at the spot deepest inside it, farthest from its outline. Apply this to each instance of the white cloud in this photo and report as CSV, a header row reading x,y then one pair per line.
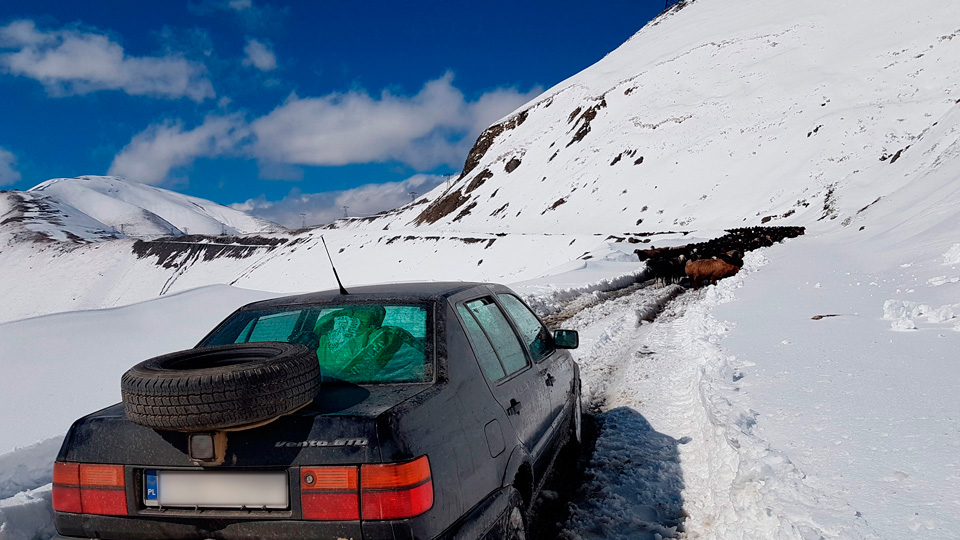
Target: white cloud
x,y
71,61
8,168
435,126
153,153
240,5
259,55
322,208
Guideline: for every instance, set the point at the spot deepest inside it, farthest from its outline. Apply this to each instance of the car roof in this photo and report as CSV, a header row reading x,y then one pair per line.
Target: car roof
x,y
411,291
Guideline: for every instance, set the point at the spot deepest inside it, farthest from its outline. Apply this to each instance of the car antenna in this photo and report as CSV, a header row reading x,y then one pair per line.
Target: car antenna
x,y
342,290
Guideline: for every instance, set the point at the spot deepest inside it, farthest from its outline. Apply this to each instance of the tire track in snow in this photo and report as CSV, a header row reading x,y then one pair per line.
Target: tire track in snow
x,y
633,480
677,456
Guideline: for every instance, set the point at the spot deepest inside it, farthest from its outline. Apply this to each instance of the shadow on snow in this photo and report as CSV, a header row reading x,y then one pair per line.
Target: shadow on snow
x,y
626,483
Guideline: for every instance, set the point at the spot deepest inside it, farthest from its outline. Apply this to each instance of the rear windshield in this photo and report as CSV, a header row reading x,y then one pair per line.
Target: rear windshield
x,y
364,343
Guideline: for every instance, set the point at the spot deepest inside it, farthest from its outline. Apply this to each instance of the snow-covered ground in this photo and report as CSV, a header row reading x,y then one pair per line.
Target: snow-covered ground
x,y
676,442
734,415
72,362
741,412
110,274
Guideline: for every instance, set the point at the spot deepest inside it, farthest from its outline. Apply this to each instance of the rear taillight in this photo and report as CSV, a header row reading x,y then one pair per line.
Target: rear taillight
x,y
396,490
66,487
374,492
329,493
89,489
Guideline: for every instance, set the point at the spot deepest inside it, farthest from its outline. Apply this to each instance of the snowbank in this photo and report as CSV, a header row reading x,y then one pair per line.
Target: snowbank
x,y
70,363
27,515
674,448
28,467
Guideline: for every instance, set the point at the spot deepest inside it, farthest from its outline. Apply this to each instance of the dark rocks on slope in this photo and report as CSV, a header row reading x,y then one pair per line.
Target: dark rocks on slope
x,y
450,202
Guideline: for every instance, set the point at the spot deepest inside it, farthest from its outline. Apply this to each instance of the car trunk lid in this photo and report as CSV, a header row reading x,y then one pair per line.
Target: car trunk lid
x,y
338,427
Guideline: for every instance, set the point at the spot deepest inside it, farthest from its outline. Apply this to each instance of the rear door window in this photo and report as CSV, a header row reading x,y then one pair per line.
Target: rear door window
x,y
481,346
535,336
501,335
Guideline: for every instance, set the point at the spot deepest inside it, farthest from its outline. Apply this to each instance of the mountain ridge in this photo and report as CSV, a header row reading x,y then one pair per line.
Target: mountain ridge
x,y
98,208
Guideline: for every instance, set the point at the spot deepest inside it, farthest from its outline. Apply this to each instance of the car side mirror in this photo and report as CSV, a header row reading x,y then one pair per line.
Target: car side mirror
x,y
566,339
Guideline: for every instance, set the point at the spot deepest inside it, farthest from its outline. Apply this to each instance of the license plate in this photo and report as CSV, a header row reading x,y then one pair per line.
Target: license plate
x,y
214,489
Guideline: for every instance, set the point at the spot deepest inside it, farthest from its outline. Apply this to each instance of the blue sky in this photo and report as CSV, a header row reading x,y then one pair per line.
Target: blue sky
x,y
280,108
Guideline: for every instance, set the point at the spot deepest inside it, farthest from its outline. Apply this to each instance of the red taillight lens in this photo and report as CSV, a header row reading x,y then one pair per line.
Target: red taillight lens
x,y
374,492
66,487
105,502
396,491
397,504
329,493
89,489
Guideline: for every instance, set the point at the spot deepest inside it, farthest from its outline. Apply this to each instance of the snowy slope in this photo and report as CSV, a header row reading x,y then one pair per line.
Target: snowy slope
x,y
109,274
80,369
720,113
25,217
93,208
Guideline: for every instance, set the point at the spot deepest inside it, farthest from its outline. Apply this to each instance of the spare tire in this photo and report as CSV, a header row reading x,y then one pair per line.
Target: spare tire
x,y
220,387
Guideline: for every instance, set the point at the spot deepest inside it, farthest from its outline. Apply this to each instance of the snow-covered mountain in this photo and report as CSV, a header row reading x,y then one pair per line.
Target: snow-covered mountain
x,y
719,113
95,208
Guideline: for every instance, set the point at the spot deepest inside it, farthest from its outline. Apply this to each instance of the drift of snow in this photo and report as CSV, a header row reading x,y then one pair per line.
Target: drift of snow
x,y
72,362
28,515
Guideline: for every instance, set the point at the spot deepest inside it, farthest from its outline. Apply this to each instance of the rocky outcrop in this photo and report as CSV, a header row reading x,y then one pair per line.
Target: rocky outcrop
x,y
485,140
450,201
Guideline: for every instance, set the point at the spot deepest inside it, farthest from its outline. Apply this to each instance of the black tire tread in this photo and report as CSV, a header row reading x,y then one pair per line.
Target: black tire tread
x,y
281,378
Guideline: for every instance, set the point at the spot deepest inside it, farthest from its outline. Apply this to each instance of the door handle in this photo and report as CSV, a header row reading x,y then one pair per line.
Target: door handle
x,y
514,408
549,380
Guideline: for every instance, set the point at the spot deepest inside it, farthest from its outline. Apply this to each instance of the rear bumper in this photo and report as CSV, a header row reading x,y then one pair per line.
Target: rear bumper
x,y
485,520
72,526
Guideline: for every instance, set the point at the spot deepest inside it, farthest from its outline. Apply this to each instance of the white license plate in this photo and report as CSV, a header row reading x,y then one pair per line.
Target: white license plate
x,y
213,489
